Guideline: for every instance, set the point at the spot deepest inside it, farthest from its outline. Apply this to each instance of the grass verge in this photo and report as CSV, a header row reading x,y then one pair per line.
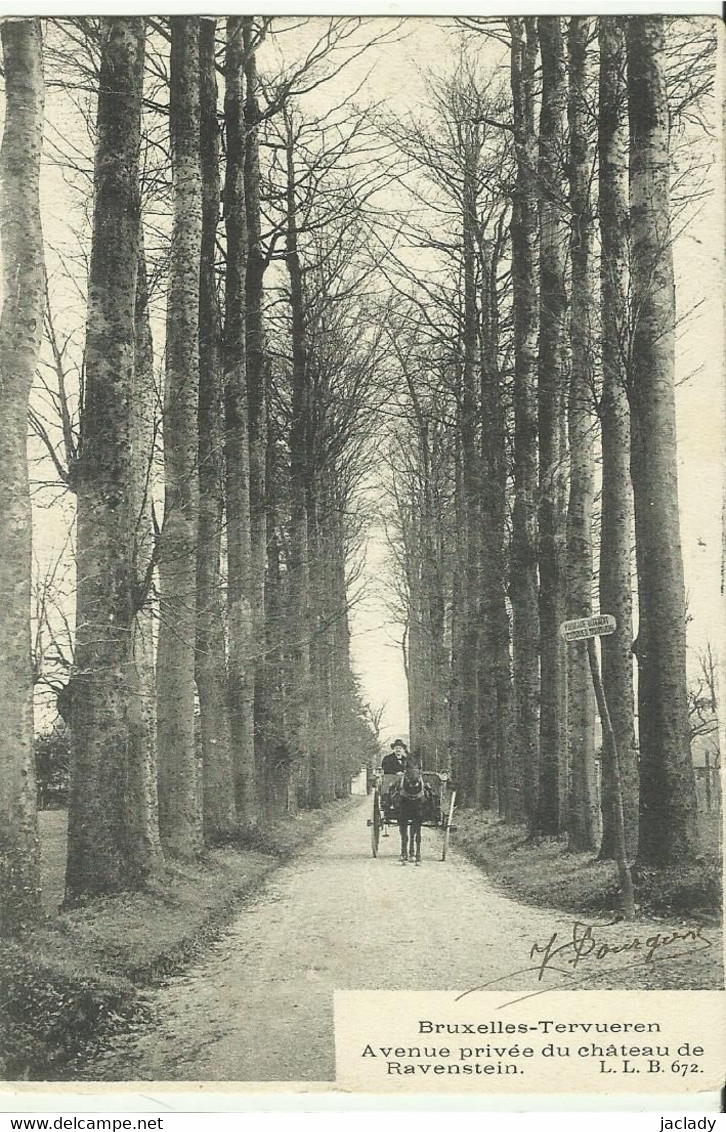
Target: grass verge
x,y
80,976
546,874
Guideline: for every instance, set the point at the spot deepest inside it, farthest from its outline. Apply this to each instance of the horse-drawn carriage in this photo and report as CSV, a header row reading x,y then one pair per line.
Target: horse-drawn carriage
x,y
437,808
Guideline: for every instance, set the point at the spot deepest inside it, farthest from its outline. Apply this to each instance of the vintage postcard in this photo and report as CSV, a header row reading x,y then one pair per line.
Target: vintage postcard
x,y
362,504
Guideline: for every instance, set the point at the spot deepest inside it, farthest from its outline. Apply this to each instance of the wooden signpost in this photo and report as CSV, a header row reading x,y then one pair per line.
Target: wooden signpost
x,y
587,629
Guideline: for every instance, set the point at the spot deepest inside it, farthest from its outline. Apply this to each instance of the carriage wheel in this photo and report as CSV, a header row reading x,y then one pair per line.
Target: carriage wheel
x,y
447,827
376,824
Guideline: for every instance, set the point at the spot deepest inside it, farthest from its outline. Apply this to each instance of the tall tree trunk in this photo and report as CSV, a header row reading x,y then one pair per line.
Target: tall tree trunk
x,y
320,755
523,567
333,613
437,623
428,669
179,802
668,831
457,722
551,377
20,334
583,823
257,403
239,540
432,576
143,438
495,662
281,771
109,842
419,653
299,561
340,652
417,691
218,802
412,644
473,775
616,508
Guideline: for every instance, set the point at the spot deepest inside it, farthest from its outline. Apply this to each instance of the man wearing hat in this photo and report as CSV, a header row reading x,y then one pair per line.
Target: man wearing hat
x,y
396,760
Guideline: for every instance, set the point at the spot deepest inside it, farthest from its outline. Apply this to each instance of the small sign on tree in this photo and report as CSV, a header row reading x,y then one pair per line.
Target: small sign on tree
x,y
586,629
582,628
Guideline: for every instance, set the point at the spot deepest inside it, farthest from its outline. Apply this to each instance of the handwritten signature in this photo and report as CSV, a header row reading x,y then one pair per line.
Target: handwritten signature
x,y
585,945
564,955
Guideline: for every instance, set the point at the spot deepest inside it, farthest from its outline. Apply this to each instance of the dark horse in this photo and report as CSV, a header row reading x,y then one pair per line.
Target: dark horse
x,y
411,801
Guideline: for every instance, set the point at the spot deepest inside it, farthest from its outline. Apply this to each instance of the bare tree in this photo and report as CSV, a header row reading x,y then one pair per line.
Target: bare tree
x,y
703,695
179,803
218,800
257,262
111,839
239,538
668,832
20,333
583,823
616,522
495,675
524,234
551,403
144,423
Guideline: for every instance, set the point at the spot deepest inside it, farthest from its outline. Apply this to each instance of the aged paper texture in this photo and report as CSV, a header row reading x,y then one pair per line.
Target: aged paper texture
x,y
363,672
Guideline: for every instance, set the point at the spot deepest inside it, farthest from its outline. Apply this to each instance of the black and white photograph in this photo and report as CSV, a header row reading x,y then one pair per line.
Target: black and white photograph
x,y
362,544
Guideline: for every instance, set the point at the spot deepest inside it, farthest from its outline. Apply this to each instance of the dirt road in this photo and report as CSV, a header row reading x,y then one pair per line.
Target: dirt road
x,y
260,1006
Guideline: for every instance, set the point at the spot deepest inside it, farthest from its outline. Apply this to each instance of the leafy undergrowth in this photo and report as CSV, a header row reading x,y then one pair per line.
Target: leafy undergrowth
x,y
546,874
283,837
80,976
